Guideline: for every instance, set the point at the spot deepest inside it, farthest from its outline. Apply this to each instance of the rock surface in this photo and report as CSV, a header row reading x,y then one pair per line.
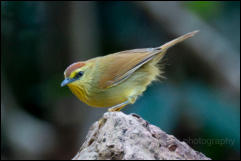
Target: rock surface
x,y
118,136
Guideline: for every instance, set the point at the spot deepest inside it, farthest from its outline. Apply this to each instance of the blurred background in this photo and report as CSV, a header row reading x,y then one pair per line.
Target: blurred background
x,y
199,102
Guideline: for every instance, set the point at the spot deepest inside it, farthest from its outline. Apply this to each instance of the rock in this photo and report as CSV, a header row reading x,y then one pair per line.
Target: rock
x,y
118,136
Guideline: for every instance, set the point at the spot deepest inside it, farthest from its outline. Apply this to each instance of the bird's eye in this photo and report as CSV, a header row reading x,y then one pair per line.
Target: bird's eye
x,y
78,75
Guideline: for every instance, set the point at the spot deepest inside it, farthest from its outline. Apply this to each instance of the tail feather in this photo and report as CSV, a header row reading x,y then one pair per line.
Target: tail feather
x,y
177,40
169,44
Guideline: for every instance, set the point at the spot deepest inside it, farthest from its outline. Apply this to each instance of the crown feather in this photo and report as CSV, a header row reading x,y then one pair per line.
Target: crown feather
x,y
73,67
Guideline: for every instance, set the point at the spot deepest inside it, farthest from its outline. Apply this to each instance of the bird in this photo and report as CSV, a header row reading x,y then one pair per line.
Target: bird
x,y
116,80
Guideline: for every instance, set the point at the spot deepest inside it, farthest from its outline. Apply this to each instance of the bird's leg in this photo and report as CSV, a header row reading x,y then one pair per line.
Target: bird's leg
x,y
118,107
113,109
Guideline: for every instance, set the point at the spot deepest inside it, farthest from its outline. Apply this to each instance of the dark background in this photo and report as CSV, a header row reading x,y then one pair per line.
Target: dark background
x,y
198,102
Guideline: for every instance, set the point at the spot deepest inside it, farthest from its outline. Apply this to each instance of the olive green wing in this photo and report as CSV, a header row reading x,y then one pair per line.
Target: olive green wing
x,y
120,66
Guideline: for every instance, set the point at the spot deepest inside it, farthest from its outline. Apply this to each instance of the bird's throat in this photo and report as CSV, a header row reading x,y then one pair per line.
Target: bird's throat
x,y
79,92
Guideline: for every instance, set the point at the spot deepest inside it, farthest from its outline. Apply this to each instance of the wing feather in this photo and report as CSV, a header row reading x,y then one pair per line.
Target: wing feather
x,y
123,64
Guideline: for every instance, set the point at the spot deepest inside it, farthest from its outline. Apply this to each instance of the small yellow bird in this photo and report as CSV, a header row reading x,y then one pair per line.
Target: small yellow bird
x,y
117,79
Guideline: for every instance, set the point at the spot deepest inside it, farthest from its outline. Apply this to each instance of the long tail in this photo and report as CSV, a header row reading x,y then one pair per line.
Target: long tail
x,y
162,49
177,40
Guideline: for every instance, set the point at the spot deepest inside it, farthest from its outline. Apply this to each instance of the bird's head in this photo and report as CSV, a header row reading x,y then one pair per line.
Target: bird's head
x,y
74,73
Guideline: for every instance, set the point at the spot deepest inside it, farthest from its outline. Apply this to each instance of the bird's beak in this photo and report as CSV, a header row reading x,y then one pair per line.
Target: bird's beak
x,y
67,81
